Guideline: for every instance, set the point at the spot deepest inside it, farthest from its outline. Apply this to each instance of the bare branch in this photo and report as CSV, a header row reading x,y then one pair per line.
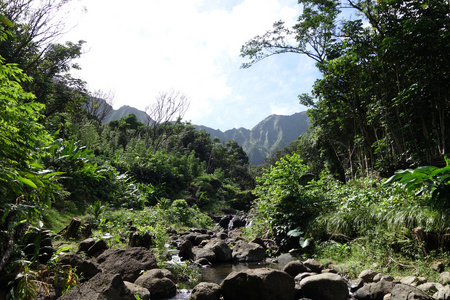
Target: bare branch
x,y
169,107
100,104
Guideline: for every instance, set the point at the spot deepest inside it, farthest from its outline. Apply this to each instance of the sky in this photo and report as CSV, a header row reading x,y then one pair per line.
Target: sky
x,y
138,49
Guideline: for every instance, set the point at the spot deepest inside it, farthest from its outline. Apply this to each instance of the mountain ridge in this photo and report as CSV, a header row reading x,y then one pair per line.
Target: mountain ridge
x,y
266,137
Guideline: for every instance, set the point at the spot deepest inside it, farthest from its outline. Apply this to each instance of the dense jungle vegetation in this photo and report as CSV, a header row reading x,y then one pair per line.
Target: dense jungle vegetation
x,y
381,105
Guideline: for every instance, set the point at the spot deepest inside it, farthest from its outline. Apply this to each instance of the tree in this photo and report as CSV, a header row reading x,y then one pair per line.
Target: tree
x,y
383,100
313,35
24,185
169,107
100,104
31,45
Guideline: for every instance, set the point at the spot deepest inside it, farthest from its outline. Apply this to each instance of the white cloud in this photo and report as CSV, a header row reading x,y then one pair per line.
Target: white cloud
x,y
140,48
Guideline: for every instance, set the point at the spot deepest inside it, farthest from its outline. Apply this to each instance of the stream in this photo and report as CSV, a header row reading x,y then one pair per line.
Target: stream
x,y
217,274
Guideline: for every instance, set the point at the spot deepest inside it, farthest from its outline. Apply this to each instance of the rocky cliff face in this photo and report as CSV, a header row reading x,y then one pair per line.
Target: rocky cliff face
x,y
268,136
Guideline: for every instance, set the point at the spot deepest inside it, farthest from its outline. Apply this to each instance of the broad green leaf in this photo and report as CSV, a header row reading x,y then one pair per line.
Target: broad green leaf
x,y
27,182
63,249
5,20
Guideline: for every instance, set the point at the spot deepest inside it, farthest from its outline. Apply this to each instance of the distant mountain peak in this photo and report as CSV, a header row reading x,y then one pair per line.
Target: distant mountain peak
x,y
269,135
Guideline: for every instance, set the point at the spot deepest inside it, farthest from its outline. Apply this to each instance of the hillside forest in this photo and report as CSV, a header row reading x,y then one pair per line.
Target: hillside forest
x,y
367,184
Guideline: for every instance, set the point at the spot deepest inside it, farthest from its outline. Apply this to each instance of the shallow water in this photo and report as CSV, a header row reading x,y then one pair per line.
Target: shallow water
x,y
217,274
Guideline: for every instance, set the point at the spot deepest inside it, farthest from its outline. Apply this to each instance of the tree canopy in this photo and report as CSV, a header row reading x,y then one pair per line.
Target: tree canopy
x,y
383,99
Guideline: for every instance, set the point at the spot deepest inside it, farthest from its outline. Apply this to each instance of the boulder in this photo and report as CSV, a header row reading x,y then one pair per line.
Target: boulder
x,y
295,267
203,262
143,293
367,275
259,241
374,291
237,222
356,284
444,278
303,275
206,291
442,294
248,252
430,287
158,282
128,263
185,252
225,221
285,258
101,286
221,250
200,238
409,280
85,268
313,265
406,292
327,286
204,253
258,284
85,245
381,276
97,248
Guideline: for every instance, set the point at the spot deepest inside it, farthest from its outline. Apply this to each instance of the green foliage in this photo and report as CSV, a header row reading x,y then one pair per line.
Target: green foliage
x,y
427,179
284,200
369,108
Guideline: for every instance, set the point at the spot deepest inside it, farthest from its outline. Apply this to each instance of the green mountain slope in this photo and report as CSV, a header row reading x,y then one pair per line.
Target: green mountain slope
x,y
268,136
125,111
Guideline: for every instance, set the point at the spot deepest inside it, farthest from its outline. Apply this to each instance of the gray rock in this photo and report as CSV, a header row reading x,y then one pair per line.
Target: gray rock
x,y
248,252
438,266
303,275
101,286
128,263
85,245
374,291
324,287
285,258
295,267
442,294
407,292
85,268
206,291
356,284
430,287
381,276
222,235
203,262
200,238
205,253
98,248
444,278
143,293
220,249
313,265
258,284
159,284
367,275
259,241
185,252
409,280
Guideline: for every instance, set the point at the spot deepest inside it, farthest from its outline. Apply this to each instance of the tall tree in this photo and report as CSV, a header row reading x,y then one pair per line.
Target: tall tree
x,y
32,46
383,100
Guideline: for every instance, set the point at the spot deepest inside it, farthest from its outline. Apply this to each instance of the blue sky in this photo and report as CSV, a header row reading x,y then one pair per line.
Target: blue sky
x,y
145,47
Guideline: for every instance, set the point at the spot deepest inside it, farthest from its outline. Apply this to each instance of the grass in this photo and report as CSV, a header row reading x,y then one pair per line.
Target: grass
x,y
353,257
55,220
